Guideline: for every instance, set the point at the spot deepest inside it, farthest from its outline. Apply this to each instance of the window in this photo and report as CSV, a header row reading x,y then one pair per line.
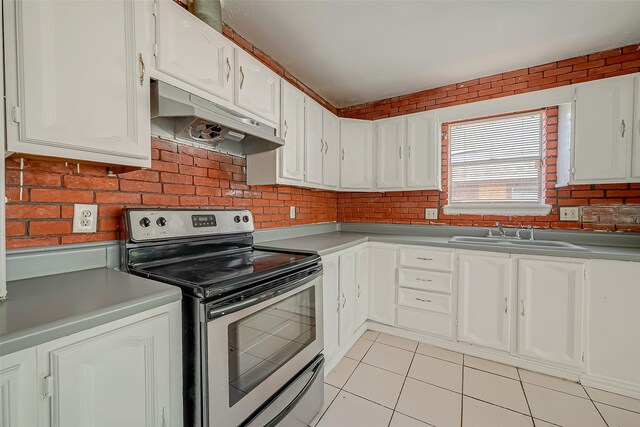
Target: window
x,y
495,166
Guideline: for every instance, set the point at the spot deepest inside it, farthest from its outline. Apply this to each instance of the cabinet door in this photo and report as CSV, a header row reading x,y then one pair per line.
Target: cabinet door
x,y
356,142
78,88
484,292
362,286
292,131
330,304
18,389
382,283
550,310
193,52
613,345
331,137
390,143
115,379
603,128
635,127
257,88
314,144
347,296
423,151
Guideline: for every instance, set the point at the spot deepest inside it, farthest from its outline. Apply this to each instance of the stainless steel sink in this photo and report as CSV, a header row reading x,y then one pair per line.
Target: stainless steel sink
x,y
513,242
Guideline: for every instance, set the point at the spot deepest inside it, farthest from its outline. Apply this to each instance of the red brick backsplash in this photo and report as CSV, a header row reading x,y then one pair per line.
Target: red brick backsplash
x,y
610,63
180,176
607,207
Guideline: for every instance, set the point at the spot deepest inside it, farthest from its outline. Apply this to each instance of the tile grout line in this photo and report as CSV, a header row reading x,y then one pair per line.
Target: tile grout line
x,y
594,405
526,399
403,383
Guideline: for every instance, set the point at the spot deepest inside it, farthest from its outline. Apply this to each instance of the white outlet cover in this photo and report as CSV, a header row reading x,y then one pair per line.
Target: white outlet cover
x,y
431,213
292,212
85,218
569,214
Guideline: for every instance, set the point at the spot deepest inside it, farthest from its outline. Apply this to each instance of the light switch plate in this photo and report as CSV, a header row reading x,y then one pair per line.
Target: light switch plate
x,y
431,213
85,218
569,214
292,212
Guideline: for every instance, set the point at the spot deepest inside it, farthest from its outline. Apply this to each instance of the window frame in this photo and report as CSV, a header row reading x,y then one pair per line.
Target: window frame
x,y
498,208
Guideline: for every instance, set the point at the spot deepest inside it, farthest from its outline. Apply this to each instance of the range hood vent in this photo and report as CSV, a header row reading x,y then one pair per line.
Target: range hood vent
x,y
176,114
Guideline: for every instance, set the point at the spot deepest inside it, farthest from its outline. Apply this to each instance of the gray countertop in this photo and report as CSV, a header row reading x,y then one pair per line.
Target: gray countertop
x,y
46,308
327,243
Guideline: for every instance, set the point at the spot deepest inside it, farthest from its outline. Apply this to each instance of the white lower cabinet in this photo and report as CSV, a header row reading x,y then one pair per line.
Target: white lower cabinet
x,y
613,346
382,279
550,304
18,389
347,317
362,285
484,295
124,373
330,304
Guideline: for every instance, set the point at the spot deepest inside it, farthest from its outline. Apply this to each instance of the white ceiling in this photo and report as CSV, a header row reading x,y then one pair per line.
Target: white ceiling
x,y
361,50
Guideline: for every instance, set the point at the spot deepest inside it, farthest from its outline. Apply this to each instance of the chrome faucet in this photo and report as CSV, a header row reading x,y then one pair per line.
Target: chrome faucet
x,y
500,229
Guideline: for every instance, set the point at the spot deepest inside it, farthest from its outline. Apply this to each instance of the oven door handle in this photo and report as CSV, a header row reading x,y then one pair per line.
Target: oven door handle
x,y
223,310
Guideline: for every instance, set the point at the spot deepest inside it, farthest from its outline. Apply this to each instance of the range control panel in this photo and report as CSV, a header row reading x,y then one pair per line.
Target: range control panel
x,y
157,224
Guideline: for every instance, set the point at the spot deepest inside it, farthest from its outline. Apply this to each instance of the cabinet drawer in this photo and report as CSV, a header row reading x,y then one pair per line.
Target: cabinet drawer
x,y
424,300
425,321
436,259
425,280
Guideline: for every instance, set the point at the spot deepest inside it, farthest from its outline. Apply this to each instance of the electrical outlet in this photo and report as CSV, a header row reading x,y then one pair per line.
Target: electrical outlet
x,y
569,214
292,212
431,214
85,218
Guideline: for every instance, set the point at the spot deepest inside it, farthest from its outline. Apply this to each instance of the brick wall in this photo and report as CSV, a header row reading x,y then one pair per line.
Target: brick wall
x,y
609,207
180,176
615,62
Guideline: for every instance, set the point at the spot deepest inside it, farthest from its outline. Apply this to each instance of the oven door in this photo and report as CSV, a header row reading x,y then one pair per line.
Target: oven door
x,y
258,345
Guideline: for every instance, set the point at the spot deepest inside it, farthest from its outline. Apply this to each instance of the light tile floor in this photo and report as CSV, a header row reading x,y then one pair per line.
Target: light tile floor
x,y
388,381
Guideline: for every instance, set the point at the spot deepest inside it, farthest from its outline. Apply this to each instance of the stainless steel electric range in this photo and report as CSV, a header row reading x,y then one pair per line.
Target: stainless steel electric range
x,y
252,316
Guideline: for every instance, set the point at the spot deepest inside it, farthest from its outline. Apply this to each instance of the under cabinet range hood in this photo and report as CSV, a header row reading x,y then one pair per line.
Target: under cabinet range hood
x,y
182,116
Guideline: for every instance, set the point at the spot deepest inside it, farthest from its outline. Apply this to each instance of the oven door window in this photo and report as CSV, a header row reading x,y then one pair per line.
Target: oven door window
x,y
262,342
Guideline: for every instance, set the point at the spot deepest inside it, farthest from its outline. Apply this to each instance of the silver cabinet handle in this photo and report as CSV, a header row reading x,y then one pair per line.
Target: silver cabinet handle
x,y
420,279
400,151
523,311
326,147
409,152
344,300
286,128
228,69
142,69
506,304
425,259
338,306
358,290
321,145
241,77
623,128
164,418
423,300
343,154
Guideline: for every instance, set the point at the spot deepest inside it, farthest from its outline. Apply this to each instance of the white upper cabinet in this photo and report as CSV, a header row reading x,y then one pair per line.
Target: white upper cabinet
x,y
423,151
18,389
189,50
314,144
356,153
390,138
550,301
76,79
484,295
257,88
292,131
603,130
331,138
635,168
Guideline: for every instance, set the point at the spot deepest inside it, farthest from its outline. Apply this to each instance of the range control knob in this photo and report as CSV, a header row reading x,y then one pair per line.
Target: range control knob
x,y
161,222
236,218
145,222
245,218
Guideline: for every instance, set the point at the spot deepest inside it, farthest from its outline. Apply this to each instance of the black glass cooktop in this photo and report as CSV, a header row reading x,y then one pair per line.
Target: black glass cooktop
x,y
223,274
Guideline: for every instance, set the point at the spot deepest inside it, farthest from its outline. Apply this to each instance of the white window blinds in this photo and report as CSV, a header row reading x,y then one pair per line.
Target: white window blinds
x,y
496,161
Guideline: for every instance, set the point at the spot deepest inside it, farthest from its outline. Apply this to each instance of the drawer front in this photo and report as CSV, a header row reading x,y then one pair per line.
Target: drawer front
x,y
436,259
425,321
424,300
425,280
